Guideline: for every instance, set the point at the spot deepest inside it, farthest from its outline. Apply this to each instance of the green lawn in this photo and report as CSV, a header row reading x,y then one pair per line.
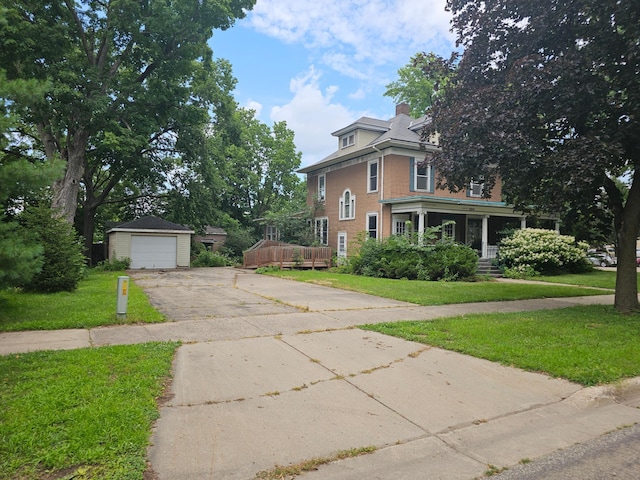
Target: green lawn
x,y
438,293
596,278
81,414
588,345
93,304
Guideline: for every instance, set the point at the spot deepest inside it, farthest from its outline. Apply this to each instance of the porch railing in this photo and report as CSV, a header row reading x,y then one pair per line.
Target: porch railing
x,y
288,256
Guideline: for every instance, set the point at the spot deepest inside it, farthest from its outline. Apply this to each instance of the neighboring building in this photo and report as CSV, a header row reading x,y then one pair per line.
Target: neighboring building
x,y
213,238
377,181
151,242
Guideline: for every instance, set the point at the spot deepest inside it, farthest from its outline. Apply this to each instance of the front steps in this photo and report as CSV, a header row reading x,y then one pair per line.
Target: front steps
x,y
485,267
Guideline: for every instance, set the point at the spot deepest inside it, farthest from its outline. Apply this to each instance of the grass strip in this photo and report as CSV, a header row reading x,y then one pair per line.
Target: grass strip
x,y
83,413
589,345
93,304
436,293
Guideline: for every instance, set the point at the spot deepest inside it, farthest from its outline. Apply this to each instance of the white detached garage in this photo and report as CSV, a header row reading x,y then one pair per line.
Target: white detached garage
x,y
151,242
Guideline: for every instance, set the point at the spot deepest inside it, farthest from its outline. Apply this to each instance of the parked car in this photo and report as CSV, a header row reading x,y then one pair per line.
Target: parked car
x,y
602,259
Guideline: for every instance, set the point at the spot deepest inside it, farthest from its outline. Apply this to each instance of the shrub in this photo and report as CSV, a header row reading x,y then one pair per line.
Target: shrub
x,y
451,261
64,263
397,257
116,265
211,259
543,252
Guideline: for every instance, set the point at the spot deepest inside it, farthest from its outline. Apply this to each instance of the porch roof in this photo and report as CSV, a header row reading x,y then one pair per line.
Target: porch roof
x,y
450,205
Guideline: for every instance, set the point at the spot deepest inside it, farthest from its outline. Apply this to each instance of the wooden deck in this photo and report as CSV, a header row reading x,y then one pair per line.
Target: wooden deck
x,y
284,255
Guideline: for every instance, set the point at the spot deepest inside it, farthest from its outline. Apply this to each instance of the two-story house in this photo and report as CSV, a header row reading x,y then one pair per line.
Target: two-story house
x,y
376,181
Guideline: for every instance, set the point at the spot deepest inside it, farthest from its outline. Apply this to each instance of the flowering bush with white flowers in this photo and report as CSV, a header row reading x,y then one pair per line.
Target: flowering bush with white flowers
x,y
535,251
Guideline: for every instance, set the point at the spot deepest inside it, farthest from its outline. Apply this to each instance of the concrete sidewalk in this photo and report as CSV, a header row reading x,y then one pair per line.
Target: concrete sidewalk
x,y
271,374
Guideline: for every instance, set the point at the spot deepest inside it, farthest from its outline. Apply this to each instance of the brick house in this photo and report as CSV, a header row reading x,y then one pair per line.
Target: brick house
x,y
376,182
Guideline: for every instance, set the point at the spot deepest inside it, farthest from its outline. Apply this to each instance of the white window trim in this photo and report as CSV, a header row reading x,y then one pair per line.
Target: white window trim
x,y
348,140
476,188
428,177
320,235
366,227
445,226
401,220
369,164
352,206
342,246
322,191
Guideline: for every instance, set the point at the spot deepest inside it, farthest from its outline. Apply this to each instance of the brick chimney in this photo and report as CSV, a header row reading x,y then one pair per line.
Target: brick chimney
x,y
403,108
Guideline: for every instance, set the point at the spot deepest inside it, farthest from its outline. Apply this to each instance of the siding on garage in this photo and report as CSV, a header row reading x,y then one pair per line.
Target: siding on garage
x,y
121,243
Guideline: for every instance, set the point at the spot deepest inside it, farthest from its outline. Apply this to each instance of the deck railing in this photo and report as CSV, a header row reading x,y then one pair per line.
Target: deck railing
x,y
288,256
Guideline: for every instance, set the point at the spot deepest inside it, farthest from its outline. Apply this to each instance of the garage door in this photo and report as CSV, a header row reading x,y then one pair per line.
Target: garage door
x,y
153,252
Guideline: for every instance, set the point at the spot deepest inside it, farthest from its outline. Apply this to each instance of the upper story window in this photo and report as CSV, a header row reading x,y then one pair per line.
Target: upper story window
x,y
372,175
348,140
322,188
421,176
476,188
347,206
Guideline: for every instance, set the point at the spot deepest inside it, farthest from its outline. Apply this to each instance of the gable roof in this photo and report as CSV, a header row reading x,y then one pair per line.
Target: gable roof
x,y
401,128
151,223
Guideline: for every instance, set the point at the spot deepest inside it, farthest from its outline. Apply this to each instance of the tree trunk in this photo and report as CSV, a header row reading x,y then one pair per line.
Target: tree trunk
x,y
626,299
65,190
88,229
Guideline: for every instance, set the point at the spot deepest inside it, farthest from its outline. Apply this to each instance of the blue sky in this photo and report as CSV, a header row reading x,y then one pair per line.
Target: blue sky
x,y
321,64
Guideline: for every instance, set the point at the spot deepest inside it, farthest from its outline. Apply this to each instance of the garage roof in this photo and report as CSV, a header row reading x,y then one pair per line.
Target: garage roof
x,y
151,224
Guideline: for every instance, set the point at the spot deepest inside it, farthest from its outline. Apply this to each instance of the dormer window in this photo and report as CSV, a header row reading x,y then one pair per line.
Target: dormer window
x,y
348,140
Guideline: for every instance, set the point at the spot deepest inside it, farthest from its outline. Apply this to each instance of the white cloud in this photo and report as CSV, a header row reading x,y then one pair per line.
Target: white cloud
x,y
255,106
357,33
313,115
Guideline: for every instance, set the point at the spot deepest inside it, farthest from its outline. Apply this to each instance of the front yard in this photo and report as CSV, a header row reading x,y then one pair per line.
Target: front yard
x,y
87,413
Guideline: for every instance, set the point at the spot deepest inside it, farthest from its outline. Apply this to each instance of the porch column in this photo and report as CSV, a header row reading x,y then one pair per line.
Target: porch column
x,y
421,222
485,236
558,227
523,223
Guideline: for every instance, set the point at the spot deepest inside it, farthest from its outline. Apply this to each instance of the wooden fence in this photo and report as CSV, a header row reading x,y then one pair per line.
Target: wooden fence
x,y
284,255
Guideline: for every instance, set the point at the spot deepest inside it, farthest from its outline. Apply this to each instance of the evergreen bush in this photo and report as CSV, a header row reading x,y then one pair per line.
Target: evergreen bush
x,y
63,261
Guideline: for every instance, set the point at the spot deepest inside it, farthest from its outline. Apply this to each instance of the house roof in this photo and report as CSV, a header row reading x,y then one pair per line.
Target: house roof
x,y
401,129
209,230
151,223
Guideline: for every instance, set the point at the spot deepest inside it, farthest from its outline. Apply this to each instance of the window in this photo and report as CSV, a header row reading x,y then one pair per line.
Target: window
x,y
348,140
421,176
321,188
347,206
321,230
400,224
372,225
372,185
272,233
342,244
449,230
476,188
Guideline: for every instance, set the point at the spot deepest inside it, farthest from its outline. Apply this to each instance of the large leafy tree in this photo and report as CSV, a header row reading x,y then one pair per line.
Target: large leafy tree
x,y
259,170
119,76
415,88
546,97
